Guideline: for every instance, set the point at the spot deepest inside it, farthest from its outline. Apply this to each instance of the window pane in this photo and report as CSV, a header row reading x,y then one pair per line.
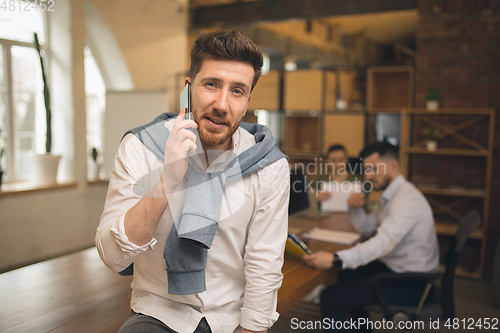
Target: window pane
x,y
3,90
29,111
21,24
3,115
95,90
2,69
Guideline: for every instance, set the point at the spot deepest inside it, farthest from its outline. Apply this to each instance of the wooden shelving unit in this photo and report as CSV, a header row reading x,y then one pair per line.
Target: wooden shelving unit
x,y
389,88
267,93
339,126
478,144
312,122
309,90
303,133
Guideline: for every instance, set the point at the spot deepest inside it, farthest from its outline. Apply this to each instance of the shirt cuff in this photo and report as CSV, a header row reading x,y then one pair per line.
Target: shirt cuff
x,y
256,321
345,257
130,249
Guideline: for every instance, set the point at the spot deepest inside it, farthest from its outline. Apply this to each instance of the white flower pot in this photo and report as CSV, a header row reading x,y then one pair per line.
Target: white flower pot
x,y
45,168
432,105
431,145
94,171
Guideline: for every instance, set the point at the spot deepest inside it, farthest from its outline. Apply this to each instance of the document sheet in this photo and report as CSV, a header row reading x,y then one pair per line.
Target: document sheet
x,y
340,192
332,236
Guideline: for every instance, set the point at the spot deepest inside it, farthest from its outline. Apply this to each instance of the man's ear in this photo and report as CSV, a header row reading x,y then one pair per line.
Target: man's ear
x,y
395,165
187,80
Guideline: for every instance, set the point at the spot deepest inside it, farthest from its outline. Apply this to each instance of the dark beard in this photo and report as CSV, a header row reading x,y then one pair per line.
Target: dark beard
x,y
387,181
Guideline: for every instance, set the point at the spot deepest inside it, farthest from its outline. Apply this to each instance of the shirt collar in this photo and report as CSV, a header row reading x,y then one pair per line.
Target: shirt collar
x,y
391,190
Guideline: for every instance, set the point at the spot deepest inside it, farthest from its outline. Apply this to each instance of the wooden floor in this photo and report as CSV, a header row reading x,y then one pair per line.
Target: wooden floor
x,y
60,296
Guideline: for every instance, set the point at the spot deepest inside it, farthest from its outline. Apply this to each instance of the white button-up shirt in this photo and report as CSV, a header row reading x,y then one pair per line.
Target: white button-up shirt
x,y
243,270
405,239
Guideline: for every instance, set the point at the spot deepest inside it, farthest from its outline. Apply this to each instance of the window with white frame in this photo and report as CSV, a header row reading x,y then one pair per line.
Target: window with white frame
x,y
22,112
95,90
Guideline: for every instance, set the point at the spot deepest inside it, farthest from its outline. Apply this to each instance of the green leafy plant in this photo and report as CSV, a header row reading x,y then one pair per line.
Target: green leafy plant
x,y
432,95
46,97
94,154
431,133
1,155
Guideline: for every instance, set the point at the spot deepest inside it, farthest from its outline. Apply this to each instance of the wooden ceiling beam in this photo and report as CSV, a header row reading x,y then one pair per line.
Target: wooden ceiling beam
x,y
277,10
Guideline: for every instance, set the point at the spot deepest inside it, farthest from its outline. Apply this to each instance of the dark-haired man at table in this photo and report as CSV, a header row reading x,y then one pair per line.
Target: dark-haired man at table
x,y
404,240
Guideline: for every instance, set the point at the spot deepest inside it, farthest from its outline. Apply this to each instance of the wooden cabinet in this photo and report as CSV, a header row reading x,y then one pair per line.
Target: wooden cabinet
x,y
267,93
349,92
302,133
456,176
306,90
347,129
311,121
389,89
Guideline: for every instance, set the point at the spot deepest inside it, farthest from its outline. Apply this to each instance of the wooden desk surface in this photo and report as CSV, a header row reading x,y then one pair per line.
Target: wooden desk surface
x,y
75,293
78,293
300,279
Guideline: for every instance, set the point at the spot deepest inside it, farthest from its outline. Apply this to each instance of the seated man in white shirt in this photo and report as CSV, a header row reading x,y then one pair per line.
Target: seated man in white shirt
x,y
147,195
404,240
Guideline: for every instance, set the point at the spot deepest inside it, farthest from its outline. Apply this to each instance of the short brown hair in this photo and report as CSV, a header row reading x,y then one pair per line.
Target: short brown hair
x,y
226,45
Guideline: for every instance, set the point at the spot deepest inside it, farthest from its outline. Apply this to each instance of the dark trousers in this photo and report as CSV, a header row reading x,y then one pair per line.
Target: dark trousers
x,y
355,291
139,323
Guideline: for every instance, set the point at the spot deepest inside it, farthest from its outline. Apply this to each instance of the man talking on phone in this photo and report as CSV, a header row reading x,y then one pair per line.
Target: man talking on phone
x,y
198,208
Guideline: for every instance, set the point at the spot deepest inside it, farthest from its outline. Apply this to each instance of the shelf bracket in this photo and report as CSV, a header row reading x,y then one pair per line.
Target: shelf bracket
x,y
453,132
448,208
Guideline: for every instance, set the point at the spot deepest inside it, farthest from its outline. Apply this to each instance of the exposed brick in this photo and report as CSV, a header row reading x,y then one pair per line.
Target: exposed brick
x,y
458,53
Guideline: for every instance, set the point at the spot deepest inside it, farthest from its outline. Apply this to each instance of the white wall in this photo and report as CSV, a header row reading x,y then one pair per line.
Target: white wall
x,y
152,36
34,227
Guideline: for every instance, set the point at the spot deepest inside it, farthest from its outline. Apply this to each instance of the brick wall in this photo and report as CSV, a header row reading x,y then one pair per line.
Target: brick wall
x,y
458,53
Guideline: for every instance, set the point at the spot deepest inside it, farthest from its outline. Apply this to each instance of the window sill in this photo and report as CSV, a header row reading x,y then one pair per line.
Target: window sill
x,y
30,187
98,181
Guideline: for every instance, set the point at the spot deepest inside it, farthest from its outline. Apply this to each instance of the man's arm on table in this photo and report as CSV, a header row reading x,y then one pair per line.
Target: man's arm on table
x,y
363,223
264,250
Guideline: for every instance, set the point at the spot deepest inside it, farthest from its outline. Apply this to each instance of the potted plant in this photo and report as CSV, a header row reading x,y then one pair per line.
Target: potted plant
x,y
432,97
45,166
95,166
432,135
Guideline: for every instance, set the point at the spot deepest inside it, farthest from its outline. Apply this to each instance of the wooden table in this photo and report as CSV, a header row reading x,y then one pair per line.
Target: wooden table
x,y
78,293
300,279
75,293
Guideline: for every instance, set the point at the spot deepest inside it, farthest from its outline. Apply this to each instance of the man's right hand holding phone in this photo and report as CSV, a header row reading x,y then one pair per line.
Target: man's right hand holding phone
x,y
180,141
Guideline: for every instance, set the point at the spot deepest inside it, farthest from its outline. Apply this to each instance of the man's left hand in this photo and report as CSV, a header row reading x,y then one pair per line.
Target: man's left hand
x,y
320,260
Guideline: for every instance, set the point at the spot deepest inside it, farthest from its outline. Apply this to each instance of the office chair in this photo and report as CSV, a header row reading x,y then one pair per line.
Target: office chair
x,y
496,276
440,304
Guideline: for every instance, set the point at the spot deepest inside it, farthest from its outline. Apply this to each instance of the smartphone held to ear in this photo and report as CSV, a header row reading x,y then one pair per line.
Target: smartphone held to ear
x,y
186,101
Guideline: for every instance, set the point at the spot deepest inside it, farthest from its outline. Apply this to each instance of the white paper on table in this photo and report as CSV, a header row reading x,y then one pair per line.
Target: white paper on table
x,y
332,236
340,192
